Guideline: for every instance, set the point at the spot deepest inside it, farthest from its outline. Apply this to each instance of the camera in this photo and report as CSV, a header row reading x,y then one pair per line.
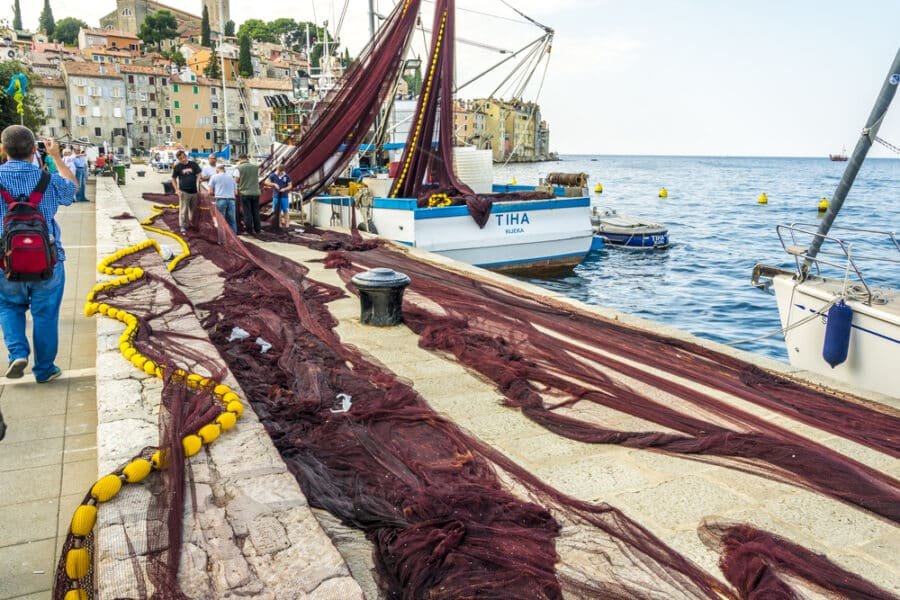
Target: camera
x,y
42,149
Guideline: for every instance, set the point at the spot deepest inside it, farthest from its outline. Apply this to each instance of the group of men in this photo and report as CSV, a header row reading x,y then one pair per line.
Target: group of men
x,y
188,178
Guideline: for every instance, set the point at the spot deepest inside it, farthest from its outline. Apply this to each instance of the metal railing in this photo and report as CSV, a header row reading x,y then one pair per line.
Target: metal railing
x,y
837,253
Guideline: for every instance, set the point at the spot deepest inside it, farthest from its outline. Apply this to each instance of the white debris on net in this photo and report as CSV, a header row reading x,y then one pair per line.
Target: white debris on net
x,y
345,403
238,334
167,253
263,344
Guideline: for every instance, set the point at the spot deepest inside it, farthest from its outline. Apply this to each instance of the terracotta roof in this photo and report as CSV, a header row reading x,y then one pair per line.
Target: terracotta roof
x,y
44,82
52,47
143,70
110,32
108,51
268,83
89,69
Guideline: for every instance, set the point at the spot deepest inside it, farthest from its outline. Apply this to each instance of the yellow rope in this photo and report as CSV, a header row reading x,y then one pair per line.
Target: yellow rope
x,y
78,558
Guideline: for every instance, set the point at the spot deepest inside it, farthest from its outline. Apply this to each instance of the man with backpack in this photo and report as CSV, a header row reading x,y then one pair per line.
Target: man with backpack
x,y
32,254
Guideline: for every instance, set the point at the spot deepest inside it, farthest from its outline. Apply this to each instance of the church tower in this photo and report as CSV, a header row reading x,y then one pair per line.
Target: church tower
x,y
212,6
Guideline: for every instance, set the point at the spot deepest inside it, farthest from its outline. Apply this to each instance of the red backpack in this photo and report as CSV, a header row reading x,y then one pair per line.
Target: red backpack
x,y
29,250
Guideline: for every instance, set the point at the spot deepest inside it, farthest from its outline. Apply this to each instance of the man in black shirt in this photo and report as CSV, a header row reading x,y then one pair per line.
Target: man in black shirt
x,y
184,180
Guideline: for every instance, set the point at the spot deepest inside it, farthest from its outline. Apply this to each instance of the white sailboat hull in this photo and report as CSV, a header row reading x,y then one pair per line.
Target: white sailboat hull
x,y
873,359
519,235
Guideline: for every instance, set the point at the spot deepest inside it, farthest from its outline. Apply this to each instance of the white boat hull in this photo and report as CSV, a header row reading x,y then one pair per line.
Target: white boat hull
x,y
519,235
873,359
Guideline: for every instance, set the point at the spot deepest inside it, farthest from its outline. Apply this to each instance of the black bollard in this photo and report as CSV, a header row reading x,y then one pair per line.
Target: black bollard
x,y
381,296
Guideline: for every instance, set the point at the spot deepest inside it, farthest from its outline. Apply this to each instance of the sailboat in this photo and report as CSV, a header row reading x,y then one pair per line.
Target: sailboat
x,y
428,203
836,322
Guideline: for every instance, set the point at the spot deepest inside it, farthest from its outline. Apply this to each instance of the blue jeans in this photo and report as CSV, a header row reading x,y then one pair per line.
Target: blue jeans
x,y
43,299
81,175
226,207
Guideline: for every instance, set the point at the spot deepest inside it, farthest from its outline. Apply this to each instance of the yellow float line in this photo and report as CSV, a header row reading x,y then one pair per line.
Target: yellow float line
x,y
78,559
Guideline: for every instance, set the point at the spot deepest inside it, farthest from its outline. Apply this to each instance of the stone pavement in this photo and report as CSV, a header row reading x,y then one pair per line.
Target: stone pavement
x,y
49,457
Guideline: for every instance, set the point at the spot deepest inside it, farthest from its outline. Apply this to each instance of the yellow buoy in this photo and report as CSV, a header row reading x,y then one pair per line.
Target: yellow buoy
x,y
83,520
513,181
77,563
663,193
823,204
598,189
763,199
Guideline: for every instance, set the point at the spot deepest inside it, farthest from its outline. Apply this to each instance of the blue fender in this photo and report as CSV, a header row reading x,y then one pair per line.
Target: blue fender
x,y
837,334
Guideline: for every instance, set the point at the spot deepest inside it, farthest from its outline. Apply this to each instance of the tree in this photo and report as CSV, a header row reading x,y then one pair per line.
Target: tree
x,y
256,29
34,116
67,30
229,28
175,55
212,69
205,33
46,22
245,61
158,26
17,16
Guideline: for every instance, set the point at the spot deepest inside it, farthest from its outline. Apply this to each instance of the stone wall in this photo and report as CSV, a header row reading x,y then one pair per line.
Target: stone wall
x,y
252,533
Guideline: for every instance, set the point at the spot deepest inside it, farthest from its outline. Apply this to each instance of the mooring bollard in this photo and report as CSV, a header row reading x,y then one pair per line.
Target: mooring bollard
x,y
381,296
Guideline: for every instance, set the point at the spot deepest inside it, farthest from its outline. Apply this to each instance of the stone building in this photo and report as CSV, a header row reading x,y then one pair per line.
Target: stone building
x,y
96,96
261,116
129,15
148,114
53,99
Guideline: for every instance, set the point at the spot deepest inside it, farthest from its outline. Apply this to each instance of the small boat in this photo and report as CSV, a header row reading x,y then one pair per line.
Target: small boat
x,y
628,232
841,157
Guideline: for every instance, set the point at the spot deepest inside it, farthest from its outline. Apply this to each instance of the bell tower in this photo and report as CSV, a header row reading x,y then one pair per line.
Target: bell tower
x,y
216,24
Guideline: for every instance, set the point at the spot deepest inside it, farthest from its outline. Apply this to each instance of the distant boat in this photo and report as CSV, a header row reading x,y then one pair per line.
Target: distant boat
x,y
629,232
839,157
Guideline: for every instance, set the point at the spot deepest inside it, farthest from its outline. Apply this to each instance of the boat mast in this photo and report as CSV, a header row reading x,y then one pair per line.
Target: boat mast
x,y
869,132
222,59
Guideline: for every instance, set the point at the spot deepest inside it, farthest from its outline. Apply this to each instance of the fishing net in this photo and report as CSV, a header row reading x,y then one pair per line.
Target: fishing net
x,y
449,516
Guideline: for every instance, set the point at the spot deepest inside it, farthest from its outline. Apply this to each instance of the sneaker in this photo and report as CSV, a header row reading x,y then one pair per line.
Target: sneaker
x,y
16,368
183,231
53,375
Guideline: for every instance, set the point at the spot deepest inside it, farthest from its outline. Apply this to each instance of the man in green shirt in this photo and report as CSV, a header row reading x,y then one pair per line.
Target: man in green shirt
x,y
247,177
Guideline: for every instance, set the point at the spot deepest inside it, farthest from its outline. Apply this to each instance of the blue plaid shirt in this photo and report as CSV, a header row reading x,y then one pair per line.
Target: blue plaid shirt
x,y
20,177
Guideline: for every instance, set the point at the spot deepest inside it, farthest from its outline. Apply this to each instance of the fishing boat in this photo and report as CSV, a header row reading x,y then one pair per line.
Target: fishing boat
x,y
840,157
835,320
628,232
434,201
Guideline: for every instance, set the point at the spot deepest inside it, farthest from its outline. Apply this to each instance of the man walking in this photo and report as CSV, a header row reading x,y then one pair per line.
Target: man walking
x,y
184,180
81,168
247,176
20,178
223,187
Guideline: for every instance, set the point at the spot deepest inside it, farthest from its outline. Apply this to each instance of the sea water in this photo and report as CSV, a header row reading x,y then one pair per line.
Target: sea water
x,y
718,231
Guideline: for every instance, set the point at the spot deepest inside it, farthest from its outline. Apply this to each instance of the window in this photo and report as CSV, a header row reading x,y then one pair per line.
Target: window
x,y
62,103
144,111
131,79
215,106
196,89
208,135
126,12
215,119
177,104
95,111
178,119
62,123
152,97
242,120
178,135
50,112
174,87
167,113
196,107
168,129
117,92
165,82
81,121
255,116
153,81
146,129
152,112
98,132
117,112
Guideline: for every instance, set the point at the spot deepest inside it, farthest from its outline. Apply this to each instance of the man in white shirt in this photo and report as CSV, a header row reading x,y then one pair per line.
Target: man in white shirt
x,y
223,187
208,171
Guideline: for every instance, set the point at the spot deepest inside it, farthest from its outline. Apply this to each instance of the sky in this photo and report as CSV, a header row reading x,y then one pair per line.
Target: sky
x,y
656,77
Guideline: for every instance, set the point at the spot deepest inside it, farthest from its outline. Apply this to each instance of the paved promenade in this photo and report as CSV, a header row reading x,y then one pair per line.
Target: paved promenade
x,y
49,456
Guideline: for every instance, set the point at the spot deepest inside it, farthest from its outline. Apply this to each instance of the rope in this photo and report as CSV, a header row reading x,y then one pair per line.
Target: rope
x,y
820,313
887,145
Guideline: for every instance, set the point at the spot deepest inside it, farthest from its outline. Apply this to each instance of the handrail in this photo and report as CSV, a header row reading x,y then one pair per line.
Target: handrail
x,y
849,259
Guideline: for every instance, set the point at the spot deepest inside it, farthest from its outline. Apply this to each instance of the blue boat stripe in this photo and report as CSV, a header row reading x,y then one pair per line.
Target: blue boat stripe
x,y
530,260
875,333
